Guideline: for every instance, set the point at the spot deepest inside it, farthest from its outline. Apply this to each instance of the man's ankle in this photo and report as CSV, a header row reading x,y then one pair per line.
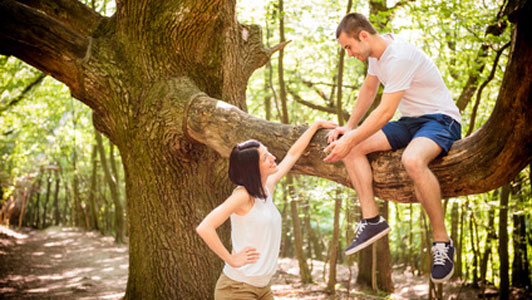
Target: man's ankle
x,y
373,219
441,239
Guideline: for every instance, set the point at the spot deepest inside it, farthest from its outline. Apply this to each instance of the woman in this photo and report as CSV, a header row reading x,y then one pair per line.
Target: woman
x,y
255,221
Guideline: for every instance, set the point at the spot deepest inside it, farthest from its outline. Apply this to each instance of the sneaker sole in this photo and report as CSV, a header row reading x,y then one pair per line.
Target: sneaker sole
x,y
368,242
444,278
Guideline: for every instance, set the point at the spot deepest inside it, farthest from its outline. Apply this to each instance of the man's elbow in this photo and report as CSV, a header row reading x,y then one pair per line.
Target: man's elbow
x,y
387,115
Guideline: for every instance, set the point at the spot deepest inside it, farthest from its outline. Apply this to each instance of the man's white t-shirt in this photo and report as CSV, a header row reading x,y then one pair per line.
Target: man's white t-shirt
x,y
402,66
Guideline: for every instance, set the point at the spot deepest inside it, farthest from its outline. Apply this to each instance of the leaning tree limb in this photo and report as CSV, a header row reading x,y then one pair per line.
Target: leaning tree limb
x,y
42,41
73,13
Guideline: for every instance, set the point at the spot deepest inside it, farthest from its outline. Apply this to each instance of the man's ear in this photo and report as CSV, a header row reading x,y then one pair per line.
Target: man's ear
x,y
363,35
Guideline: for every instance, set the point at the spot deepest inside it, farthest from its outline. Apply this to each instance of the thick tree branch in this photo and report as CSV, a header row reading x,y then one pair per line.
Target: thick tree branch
x,y
41,42
78,16
220,126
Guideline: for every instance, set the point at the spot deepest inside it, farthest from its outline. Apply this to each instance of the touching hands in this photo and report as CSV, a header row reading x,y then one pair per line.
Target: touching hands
x,y
333,134
338,148
247,256
326,124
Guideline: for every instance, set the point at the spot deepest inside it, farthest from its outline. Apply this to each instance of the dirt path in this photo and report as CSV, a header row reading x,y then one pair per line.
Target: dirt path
x,y
68,263
61,263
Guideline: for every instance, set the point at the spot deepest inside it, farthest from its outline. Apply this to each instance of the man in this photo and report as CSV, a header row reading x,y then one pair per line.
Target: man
x,y
428,128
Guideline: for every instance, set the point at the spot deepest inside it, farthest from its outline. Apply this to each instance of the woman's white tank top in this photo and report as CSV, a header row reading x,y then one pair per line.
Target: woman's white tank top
x,y
260,228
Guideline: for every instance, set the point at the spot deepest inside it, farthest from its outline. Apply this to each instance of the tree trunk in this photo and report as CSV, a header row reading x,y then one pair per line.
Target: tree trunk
x,y
490,236
47,198
350,209
410,254
474,244
455,216
504,288
37,209
22,209
119,210
92,188
383,268
67,208
309,232
460,241
152,74
57,215
77,208
286,241
304,272
426,232
333,248
520,274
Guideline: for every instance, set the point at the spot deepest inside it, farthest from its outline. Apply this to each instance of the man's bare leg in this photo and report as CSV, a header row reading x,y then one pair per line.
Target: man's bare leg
x,y
416,158
372,227
360,173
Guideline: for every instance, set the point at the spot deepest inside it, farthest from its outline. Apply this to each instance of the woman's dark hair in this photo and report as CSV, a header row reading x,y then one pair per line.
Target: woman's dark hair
x,y
352,24
244,167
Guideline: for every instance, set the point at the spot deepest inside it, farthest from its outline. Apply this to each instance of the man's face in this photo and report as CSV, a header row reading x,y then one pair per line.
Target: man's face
x,y
359,49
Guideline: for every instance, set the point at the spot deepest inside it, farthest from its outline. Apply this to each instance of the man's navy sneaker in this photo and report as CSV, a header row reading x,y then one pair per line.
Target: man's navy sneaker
x,y
368,233
442,261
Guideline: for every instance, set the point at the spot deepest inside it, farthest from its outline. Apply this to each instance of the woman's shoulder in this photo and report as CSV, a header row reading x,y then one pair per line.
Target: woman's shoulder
x,y
240,191
243,200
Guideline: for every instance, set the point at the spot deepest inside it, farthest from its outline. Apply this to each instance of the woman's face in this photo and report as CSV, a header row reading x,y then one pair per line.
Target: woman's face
x,y
267,163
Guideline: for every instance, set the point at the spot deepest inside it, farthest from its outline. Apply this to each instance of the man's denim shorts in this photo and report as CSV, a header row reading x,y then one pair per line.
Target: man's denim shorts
x,y
440,128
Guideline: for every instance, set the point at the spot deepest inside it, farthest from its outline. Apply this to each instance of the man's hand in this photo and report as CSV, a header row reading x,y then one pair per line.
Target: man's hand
x,y
339,149
333,134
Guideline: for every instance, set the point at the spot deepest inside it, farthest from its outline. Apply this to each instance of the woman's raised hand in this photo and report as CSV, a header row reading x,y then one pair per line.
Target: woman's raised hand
x,y
326,124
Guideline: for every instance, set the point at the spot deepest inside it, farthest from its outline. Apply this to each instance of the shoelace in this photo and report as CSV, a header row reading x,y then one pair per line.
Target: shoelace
x,y
440,254
360,228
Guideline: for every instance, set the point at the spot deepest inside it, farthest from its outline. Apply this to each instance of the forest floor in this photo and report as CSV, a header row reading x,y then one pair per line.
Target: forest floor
x,y
68,263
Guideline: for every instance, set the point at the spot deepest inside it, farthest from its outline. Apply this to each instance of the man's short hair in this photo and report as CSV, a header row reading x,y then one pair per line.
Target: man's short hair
x,y
353,23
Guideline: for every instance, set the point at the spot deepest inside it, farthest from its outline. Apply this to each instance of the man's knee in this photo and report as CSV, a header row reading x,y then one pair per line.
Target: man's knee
x,y
413,164
355,153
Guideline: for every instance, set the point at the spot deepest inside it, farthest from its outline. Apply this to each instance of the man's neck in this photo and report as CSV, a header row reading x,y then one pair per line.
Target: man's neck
x,y
379,45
